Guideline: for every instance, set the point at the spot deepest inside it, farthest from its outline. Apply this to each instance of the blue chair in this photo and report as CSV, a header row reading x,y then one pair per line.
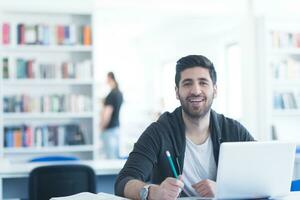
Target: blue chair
x,y
295,185
54,158
298,149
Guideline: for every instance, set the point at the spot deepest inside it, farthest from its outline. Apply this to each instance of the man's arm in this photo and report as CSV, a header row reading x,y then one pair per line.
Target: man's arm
x,y
138,169
140,162
169,189
132,188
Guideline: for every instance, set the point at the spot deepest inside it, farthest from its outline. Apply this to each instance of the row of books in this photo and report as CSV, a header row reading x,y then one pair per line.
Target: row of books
x,y
43,34
286,69
43,136
286,100
282,39
47,103
20,68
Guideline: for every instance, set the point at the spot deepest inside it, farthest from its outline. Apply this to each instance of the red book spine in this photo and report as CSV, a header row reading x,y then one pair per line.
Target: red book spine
x,y
29,136
30,69
65,73
298,40
5,33
60,35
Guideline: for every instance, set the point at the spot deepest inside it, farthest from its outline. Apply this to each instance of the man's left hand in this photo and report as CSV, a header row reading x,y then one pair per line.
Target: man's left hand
x,y
206,188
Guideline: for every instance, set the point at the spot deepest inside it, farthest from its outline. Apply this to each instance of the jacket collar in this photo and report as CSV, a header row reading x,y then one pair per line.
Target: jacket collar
x,y
216,136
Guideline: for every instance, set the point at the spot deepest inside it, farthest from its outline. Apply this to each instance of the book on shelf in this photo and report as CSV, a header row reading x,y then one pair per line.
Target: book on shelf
x,y
274,134
87,35
297,40
42,34
286,69
285,100
46,103
43,136
21,34
283,39
30,34
5,68
60,35
5,33
34,68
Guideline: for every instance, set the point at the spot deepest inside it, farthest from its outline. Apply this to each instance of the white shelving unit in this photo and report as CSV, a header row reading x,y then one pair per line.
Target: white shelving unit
x,y
279,56
31,150
82,112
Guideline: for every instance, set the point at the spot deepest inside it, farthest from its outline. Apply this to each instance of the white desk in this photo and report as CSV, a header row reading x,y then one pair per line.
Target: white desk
x,y
103,196
14,177
292,196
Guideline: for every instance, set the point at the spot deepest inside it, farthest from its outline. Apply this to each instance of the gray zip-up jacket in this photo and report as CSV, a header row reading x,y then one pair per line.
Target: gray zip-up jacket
x,y
148,161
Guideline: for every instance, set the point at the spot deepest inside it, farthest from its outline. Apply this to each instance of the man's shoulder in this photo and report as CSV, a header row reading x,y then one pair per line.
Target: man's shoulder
x,y
170,117
168,121
231,128
224,120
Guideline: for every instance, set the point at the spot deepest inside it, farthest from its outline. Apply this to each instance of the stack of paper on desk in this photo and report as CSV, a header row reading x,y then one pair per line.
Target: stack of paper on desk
x,y
89,196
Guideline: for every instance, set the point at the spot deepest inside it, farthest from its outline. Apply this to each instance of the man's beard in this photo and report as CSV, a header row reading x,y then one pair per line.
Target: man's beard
x,y
195,114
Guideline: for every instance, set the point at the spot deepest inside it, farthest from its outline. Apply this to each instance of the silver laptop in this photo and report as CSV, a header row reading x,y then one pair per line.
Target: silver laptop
x,y
254,170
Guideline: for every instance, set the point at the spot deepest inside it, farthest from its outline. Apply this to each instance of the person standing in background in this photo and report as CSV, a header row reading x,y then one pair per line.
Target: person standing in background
x,y
110,122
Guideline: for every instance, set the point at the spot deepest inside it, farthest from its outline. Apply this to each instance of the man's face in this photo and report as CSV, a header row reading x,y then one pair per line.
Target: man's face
x,y
196,92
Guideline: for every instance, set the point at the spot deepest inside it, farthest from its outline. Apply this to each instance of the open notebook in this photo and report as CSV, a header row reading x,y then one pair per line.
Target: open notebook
x,y
90,196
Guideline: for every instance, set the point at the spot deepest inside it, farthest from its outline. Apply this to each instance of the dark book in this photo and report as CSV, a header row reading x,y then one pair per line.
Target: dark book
x,y
52,135
5,71
20,34
74,135
6,104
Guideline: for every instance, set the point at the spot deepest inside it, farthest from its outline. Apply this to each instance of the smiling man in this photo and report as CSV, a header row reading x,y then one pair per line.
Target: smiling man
x,y
192,134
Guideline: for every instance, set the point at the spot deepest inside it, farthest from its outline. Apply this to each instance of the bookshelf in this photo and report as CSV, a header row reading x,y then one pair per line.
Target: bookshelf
x,y
280,78
47,90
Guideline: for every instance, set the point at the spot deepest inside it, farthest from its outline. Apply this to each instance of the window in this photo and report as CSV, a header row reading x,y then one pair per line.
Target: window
x,y
234,87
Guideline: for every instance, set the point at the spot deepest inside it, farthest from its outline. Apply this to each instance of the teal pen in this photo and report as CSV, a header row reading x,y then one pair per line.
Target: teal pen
x,y
172,164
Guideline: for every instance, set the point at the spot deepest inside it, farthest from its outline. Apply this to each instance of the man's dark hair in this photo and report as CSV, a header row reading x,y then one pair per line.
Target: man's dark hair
x,y
195,61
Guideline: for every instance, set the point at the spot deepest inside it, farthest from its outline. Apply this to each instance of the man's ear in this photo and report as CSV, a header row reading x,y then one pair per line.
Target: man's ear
x,y
215,90
177,92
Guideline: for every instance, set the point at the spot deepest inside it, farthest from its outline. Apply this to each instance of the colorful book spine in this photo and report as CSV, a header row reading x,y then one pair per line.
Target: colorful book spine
x,y
5,33
43,136
87,35
60,35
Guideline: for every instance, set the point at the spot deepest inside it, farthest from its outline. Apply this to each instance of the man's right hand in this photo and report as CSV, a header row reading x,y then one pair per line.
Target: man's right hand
x,y
169,189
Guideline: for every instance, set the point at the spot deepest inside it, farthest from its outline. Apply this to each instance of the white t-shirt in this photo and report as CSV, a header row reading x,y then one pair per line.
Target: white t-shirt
x,y
199,164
